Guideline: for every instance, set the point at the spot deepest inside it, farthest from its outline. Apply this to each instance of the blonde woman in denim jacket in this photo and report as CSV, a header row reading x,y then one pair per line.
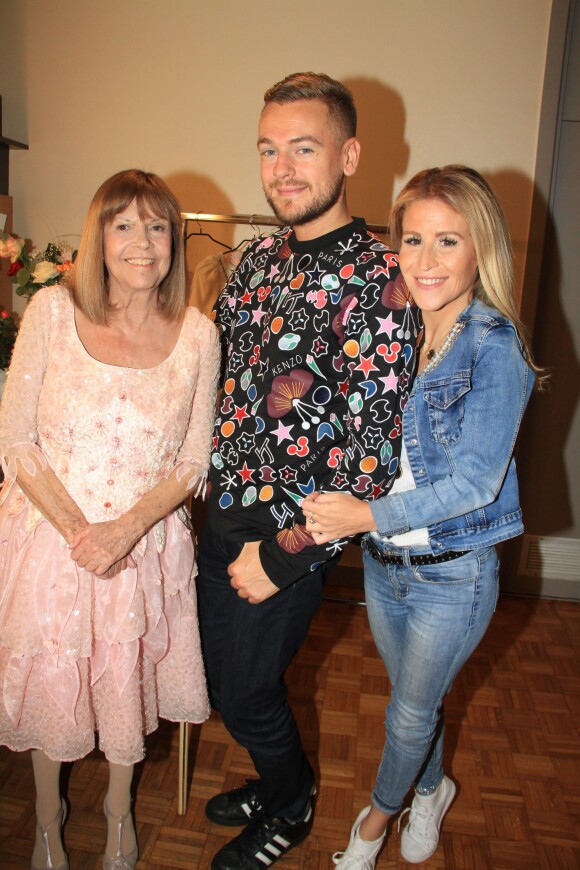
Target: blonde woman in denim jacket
x,y
431,569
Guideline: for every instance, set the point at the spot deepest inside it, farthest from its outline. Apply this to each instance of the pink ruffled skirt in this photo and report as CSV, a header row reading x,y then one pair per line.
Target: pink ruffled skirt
x,y
80,654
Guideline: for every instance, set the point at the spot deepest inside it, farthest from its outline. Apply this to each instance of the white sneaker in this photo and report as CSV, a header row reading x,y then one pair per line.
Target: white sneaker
x,y
360,854
421,836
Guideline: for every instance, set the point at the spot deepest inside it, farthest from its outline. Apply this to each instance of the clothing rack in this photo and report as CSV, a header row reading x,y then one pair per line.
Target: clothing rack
x,y
255,220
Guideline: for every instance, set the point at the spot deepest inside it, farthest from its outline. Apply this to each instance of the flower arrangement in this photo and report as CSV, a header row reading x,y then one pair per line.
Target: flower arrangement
x,y
35,269
8,329
29,270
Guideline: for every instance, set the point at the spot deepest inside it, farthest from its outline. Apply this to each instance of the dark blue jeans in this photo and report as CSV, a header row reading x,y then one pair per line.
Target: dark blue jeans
x,y
247,648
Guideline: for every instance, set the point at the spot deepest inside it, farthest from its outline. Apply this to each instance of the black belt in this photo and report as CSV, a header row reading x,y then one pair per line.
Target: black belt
x,y
389,558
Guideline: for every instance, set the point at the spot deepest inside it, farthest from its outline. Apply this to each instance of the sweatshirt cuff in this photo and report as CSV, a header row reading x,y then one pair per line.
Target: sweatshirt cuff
x,y
276,572
284,569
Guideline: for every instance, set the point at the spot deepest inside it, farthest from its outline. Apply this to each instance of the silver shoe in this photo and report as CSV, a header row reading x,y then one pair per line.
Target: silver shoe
x,y
43,830
120,861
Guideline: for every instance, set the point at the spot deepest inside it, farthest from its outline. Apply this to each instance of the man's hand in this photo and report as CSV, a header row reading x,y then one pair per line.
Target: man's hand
x,y
248,576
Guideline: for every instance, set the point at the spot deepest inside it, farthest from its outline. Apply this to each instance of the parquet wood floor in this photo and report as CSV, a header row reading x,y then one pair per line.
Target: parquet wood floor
x,y
512,747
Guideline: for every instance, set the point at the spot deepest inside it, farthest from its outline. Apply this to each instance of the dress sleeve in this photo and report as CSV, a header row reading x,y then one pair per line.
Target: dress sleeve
x,y
196,448
484,445
18,410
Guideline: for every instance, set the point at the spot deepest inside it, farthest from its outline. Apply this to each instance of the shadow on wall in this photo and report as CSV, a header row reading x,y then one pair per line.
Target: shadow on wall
x,y
545,487
384,152
542,473
198,193
514,191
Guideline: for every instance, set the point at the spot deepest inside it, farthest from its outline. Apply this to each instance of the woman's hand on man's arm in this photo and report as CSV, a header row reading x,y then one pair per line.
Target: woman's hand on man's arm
x,y
334,515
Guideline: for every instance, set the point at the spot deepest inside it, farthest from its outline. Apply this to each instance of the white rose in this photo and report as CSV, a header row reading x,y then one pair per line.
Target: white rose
x,y
44,271
11,248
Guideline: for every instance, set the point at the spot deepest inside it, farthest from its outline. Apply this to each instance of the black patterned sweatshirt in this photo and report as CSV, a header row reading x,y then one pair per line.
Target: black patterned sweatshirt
x,y
319,339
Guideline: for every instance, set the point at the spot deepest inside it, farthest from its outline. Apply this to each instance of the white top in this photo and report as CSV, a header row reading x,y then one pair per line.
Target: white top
x,y
404,482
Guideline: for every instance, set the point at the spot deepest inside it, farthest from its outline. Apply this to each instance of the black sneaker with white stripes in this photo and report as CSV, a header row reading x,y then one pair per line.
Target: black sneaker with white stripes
x,y
263,841
236,807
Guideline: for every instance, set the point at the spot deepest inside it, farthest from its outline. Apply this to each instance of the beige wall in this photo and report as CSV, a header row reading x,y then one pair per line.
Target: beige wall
x,y
176,87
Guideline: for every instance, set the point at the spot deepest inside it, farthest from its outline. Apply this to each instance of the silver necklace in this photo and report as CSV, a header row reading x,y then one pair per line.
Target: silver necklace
x,y
434,357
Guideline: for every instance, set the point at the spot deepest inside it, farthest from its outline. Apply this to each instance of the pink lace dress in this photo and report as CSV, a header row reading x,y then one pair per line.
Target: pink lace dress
x,y
79,653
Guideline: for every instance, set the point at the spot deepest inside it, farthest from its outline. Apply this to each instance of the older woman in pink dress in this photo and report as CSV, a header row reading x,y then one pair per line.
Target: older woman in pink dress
x,y
104,430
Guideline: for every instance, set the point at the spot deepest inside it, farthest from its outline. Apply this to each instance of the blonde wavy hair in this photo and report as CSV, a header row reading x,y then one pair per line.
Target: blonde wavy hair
x,y
88,279
469,194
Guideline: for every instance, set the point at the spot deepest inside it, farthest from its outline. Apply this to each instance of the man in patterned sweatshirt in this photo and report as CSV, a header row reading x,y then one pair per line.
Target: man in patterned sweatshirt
x,y
319,338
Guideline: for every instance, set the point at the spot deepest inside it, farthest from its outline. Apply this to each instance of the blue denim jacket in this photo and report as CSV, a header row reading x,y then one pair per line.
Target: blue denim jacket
x,y
460,426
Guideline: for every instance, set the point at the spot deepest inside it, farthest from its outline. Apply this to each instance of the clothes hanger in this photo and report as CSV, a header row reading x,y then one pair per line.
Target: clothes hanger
x,y
257,234
202,232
